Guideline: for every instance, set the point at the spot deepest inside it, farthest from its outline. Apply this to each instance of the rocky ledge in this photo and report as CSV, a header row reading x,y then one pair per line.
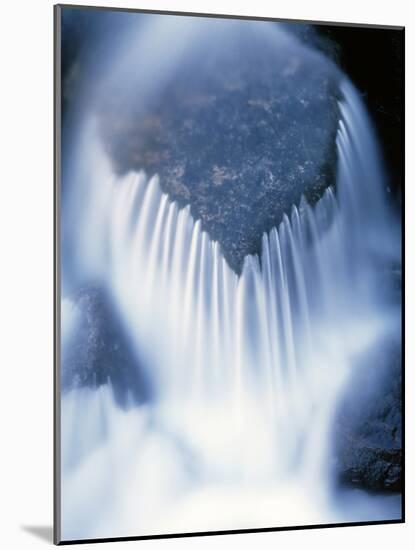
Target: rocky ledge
x,y
368,430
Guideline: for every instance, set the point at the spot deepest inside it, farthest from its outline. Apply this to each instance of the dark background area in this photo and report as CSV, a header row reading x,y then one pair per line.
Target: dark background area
x,y
373,58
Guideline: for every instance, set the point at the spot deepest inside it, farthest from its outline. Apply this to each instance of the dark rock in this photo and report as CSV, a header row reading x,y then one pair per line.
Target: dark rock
x,y
372,467
240,127
98,351
368,430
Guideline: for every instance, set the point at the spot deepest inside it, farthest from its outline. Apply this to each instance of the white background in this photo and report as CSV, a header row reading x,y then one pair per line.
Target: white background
x,y
26,232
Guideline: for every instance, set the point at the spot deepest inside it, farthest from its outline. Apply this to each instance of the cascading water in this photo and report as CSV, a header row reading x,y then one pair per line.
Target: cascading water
x,y
247,370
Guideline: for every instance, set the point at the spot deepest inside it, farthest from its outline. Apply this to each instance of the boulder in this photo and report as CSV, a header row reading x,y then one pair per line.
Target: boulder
x,y
368,429
97,350
240,126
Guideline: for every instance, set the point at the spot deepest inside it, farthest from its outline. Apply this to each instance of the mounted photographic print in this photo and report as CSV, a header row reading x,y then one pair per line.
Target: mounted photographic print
x,y
228,297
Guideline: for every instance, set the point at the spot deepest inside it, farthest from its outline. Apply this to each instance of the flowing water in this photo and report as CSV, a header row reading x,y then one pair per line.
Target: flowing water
x,y
248,370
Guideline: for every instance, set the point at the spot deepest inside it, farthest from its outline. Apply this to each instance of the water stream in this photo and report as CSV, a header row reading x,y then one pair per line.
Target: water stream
x,y
248,370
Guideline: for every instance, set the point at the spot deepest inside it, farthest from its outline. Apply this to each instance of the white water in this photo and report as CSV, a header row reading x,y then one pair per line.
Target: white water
x,y
248,370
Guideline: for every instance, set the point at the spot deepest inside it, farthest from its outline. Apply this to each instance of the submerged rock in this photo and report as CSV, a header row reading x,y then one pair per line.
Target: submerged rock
x,y
368,430
239,125
97,350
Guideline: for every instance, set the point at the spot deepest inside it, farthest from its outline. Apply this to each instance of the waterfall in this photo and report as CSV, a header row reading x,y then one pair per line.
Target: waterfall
x,y
248,370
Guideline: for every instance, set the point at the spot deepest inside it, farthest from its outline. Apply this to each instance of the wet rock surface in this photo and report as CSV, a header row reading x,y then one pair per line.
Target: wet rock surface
x,y
98,351
368,431
239,130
